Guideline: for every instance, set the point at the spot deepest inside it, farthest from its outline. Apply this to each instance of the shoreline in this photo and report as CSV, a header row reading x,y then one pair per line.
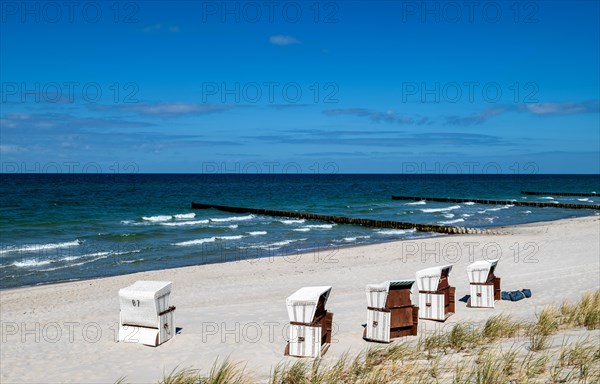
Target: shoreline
x,y
338,247
221,308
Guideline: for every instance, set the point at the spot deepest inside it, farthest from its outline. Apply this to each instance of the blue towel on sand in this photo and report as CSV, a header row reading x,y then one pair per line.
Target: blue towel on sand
x,y
516,296
527,292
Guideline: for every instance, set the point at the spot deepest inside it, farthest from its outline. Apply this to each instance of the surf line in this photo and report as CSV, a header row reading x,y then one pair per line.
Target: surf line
x,y
344,220
500,202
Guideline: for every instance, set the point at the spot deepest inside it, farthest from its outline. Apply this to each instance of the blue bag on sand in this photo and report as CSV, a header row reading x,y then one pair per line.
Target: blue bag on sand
x,y
527,292
517,295
505,295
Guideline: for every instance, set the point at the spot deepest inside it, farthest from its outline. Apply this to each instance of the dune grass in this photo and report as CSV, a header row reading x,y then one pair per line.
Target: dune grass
x,y
462,354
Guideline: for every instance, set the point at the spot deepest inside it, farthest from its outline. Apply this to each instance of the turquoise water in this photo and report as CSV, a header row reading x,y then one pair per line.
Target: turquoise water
x,y
67,227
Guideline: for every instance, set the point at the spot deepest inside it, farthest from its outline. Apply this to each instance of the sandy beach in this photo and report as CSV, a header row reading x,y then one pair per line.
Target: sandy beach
x,y
67,332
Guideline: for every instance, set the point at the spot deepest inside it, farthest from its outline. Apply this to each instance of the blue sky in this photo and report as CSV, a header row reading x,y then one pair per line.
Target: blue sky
x,y
371,87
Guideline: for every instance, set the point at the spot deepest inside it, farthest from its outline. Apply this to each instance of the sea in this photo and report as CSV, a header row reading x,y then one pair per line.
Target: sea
x,y
65,227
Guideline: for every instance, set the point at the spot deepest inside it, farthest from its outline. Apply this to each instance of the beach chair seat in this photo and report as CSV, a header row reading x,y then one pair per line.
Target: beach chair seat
x,y
390,311
436,295
483,284
310,323
145,315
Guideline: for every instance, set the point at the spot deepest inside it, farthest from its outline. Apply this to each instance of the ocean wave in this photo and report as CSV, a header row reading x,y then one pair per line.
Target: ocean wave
x,y
527,212
394,231
465,215
320,226
190,243
232,218
448,215
547,198
451,221
469,203
303,229
40,247
584,199
257,233
184,216
292,221
130,261
233,226
277,244
236,237
157,219
496,209
95,254
422,202
31,263
184,223
351,239
433,210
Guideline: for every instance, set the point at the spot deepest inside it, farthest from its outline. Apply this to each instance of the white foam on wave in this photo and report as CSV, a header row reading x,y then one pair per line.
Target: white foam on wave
x,y
465,215
547,198
303,229
277,245
496,209
469,203
527,212
448,215
292,221
351,239
190,243
130,261
40,247
184,216
257,233
31,263
584,199
95,254
233,226
320,226
451,221
184,223
422,202
236,237
395,231
157,219
433,210
232,218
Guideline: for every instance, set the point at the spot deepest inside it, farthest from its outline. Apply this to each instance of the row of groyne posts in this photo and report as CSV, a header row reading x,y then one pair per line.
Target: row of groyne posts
x,y
391,224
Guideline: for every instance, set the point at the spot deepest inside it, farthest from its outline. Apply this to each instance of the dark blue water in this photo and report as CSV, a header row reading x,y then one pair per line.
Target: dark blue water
x,y
64,227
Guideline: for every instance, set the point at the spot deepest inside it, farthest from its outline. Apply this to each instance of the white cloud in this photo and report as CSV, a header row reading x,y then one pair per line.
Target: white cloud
x,y
283,40
562,108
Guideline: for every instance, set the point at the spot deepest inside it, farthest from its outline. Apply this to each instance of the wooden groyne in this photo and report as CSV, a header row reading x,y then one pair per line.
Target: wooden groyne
x,y
500,202
560,193
344,220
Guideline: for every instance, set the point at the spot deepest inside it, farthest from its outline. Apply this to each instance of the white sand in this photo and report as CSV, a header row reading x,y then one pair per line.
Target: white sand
x,y
237,309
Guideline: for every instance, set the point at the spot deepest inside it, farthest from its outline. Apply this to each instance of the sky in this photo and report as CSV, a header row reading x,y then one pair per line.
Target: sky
x,y
508,87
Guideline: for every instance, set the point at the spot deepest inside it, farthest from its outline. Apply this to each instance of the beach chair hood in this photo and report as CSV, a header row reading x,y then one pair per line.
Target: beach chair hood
x,y
302,304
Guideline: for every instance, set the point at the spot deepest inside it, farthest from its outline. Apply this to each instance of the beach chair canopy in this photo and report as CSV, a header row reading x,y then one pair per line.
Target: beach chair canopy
x,y
429,279
142,302
302,305
479,271
377,293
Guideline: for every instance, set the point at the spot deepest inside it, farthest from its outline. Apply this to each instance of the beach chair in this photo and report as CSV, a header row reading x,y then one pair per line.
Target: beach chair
x,y
145,315
436,296
484,285
390,311
310,323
